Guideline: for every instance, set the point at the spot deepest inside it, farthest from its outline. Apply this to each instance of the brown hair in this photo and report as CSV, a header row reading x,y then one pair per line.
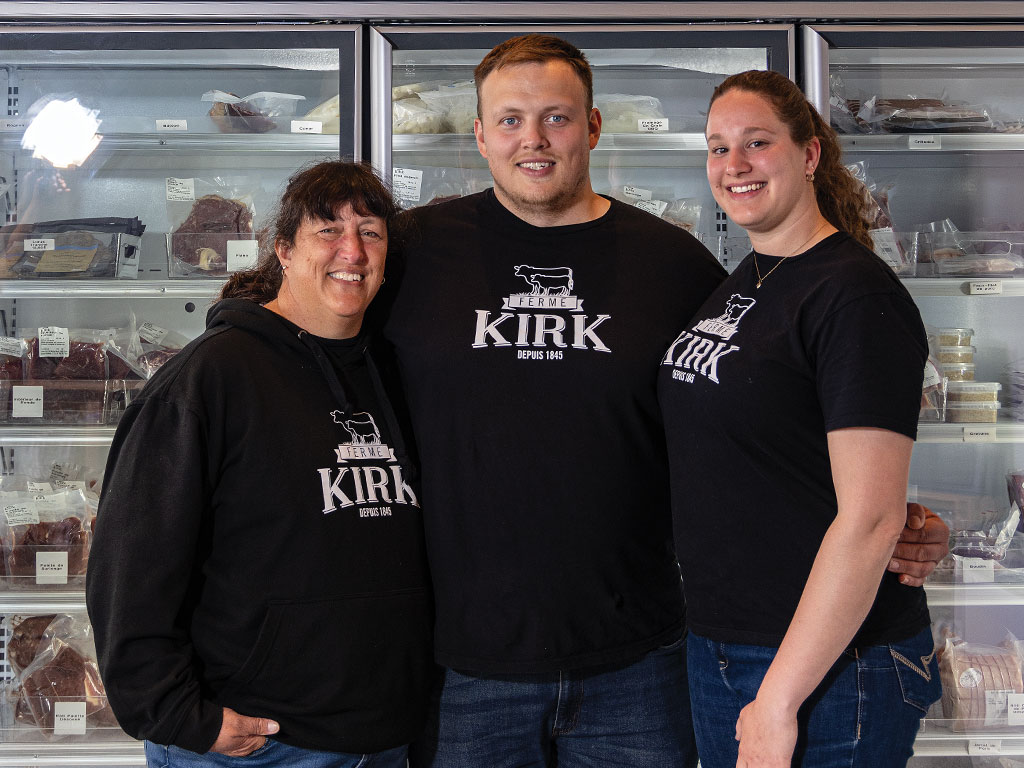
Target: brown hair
x,y
535,49
838,193
314,192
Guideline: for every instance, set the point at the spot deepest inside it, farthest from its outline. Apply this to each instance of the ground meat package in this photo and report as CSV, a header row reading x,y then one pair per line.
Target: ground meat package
x,y
214,233
46,539
977,681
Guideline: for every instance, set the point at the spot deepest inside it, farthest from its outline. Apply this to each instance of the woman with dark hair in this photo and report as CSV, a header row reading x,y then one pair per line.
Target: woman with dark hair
x,y
790,404
258,583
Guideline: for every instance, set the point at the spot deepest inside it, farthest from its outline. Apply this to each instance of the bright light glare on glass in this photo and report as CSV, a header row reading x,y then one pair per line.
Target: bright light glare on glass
x,y
63,133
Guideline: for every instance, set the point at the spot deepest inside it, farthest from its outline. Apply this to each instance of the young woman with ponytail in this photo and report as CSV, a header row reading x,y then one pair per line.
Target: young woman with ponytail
x,y
790,405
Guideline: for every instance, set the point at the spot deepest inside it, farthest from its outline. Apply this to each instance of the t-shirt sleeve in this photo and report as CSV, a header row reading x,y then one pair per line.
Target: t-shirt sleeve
x,y
869,357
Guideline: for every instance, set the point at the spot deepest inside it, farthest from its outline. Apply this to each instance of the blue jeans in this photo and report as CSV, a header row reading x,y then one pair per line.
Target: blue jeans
x,y
866,711
272,753
632,715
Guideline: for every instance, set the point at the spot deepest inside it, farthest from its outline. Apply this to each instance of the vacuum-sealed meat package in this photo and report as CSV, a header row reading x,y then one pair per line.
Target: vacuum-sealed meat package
x,y
46,541
201,244
976,683
252,113
74,248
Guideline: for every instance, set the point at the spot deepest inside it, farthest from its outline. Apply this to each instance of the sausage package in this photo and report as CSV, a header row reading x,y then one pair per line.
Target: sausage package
x,y
977,681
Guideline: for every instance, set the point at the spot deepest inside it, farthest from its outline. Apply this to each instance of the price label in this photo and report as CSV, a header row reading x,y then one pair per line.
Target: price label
x,y
154,334
172,125
989,747
181,190
976,570
40,244
657,207
407,184
1015,709
995,707
14,124
242,254
636,193
652,125
924,142
33,487
69,718
10,346
884,240
986,287
54,342
979,434
21,514
26,402
307,126
51,567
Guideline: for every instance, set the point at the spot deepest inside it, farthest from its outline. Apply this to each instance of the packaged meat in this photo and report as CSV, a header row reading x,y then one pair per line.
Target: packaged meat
x,y
67,353
985,536
28,635
976,680
456,103
46,541
200,245
328,114
74,248
622,112
412,115
250,114
399,92
973,254
53,401
13,354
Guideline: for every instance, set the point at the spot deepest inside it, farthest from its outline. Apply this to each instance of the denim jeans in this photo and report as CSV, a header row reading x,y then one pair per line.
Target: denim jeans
x,y
272,753
632,715
866,711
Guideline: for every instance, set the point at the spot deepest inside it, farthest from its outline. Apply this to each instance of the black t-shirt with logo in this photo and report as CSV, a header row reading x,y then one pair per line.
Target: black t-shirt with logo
x,y
529,357
749,391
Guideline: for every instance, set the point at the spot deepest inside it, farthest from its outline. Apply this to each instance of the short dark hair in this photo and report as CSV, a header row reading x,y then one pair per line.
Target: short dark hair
x,y
535,49
315,192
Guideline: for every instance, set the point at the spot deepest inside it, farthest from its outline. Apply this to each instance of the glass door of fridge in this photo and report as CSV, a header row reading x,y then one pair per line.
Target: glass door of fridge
x,y
651,84
931,118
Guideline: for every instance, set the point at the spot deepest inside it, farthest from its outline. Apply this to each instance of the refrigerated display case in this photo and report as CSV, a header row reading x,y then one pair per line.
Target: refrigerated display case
x,y
651,84
934,116
114,245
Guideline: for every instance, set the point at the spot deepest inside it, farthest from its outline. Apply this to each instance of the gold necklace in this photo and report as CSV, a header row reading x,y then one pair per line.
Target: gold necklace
x,y
779,263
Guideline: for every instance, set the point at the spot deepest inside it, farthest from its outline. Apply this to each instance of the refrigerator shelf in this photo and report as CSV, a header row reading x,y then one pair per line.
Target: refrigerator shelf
x,y
56,435
10,141
618,142
37,602
999,432
936,741
959,286
57,753
933,142
974,594
147,289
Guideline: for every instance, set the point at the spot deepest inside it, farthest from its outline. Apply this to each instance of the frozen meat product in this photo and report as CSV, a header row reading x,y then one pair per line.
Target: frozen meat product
x,y
328,114
412,115
622,112
456,103
240,117
975,682
399,92
67,535
63,675
201,240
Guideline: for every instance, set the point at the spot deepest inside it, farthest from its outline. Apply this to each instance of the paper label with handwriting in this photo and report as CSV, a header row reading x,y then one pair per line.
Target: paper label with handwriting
x,y
54,341
69,718
636,193
39,244
51,567
35,487
154,334
657,207
1015,709
652,124
21,514
10,346
70,258
407,183
884,240
995,707
181,190
26,402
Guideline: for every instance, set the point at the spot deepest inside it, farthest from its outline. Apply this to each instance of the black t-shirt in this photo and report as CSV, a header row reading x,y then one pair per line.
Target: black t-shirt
x,y
529,357
749,391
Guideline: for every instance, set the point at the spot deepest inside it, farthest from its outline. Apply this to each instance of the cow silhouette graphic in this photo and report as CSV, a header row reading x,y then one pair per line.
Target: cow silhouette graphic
x,y
360,426
546,281
735,308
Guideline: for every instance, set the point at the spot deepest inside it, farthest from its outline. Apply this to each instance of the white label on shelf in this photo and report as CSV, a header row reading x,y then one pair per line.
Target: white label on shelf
x,y
40,244
9,346
995,707
307,126
21,514
652,124
181,190
657,207
884,240
932,375
172,125
154,334
69,718
975,570
986,287
635,193
51,567
13,124
989,747
924,142
407,183
54,341
242,254
1015,709
51,502
26,402
979,434
34,487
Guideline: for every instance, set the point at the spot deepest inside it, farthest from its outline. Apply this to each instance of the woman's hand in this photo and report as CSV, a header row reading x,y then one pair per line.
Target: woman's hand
x,y
767,736
241,735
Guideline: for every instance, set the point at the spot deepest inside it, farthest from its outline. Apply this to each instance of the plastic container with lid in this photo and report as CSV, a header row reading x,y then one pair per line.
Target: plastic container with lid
x,y
973,391
955,337
972,412
956,354
958,371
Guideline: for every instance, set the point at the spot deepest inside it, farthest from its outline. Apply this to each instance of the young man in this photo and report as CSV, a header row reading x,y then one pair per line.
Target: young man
x,y
529,321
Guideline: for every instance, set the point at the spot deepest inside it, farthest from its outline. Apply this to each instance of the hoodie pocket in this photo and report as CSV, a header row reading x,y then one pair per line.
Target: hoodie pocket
x,y
329,655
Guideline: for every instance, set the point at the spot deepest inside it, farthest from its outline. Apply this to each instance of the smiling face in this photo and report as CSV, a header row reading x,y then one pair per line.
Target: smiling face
x,y
756,171
332,272
536,132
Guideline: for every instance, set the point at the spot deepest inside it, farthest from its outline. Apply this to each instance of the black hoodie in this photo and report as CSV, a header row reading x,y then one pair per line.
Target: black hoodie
x,y
259,546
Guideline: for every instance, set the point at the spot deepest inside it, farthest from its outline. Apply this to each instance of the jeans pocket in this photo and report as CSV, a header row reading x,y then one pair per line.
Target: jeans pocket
x,y
917,670
156,755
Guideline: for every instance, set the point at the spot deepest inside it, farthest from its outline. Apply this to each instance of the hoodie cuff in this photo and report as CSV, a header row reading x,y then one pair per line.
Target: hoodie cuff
x,y
198,734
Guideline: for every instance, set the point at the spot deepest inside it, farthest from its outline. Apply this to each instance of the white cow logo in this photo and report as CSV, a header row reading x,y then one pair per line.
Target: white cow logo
x,y
360,426
546,281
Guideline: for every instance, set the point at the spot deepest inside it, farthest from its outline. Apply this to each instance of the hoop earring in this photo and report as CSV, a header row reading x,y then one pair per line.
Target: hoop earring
x,y
809,176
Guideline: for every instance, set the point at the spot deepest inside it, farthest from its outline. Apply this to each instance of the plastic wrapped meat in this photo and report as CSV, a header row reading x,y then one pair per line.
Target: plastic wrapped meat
x,y
201,240
975,681
25,639
65,535
67,676
240,117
